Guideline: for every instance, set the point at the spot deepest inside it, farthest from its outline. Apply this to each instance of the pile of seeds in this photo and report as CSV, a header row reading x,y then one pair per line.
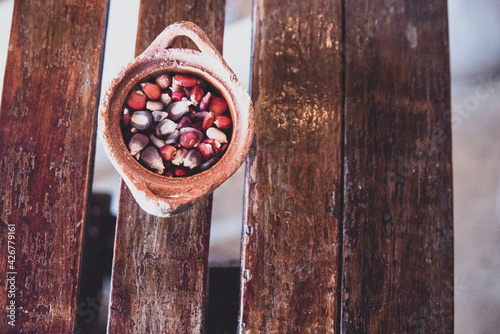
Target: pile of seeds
x,y
176,125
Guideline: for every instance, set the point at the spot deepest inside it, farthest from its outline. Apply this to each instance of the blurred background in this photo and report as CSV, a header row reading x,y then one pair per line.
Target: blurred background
x,y
475,68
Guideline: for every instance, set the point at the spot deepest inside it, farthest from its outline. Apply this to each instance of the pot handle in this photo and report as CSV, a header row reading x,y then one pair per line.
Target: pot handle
x,y
154,204
167,37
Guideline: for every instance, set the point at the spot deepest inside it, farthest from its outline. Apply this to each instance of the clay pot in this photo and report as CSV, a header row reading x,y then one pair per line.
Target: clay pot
x,y
157,194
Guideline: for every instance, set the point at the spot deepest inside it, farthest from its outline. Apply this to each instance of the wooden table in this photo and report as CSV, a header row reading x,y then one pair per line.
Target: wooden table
x,y
348,205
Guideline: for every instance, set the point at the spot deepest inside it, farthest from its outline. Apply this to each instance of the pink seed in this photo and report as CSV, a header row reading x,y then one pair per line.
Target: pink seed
x,y
177,95
208,121
196,94
163,81
137,100
223,122
168,152
217,106
198,133
181,171
206,150
188,140
205,101
184,80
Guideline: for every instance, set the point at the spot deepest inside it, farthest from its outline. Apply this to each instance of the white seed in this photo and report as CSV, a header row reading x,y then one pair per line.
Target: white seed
x,y
179,156
165,127
152,158
141,119
173,138
159,116
165,99
177,109
163,80
192,159
154,106
156,141
217,134
137,143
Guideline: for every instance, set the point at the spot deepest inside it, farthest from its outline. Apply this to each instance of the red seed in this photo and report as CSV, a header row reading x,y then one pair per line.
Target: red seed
x,y
181,171
137,100
196,94
206,150
167,152
184,80
205,101
217,106
152,91
223,122
126,118
215,145
188,140
208,121
177,95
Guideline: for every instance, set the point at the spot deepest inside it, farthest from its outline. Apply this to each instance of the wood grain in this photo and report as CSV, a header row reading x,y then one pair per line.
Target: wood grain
x,y
398,238
160,264
290,257
47,136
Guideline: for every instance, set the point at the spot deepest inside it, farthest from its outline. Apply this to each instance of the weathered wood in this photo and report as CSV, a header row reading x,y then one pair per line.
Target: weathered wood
x,y
47,131
160,264
290,257
398,241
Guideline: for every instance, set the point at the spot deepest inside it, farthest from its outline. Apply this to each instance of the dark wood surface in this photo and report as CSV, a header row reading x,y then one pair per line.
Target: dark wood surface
x,y
293,199
47,136
397,272
160,264
348,216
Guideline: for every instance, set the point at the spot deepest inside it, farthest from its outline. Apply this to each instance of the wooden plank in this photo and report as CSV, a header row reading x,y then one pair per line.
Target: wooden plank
x,y
47,136
160,264
398,233
290,256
